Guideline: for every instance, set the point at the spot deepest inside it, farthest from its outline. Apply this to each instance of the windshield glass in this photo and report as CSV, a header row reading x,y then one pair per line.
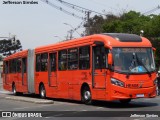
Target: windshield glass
x,y
133,60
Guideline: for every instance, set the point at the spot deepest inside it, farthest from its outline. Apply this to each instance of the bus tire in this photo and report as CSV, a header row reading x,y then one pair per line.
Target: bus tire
x,y
86,96
14,89
125,101
42,91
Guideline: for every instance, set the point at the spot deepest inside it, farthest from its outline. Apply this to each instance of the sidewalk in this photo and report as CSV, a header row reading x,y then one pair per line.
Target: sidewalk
x,y
29,99
1,86
24,97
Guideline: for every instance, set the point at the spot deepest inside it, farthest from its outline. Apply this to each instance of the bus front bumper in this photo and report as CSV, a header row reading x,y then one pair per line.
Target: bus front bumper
x,y
128,93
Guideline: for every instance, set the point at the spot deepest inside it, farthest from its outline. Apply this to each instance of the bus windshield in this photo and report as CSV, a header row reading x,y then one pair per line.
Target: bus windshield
x,y
133,60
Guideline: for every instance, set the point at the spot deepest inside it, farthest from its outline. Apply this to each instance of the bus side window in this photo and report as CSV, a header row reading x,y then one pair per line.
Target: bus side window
x,y
18,65
24,62
6,67
100,57
73,59
14,66
38,62
10,66
53,61
84,57
44,61
62,60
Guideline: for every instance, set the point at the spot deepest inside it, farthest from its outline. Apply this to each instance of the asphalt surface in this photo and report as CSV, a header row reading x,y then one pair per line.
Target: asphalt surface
x,y
71,110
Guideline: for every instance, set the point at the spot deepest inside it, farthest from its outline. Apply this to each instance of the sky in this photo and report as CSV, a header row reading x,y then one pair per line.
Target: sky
x,y
40,24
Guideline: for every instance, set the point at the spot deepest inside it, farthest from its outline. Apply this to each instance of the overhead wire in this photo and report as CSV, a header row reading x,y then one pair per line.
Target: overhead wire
x,y
76,7
61,9
152,10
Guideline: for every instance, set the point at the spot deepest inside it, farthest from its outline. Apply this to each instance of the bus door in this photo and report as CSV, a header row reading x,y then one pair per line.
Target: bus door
x,y
18,76
6,70
98,67
52,70
24,71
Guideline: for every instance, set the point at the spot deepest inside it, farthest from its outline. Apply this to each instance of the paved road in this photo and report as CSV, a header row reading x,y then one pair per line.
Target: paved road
x,y
63,108
66,108
76,108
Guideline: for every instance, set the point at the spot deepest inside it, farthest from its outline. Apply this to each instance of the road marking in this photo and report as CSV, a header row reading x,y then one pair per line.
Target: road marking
x,y
31,107
99,108
47,117
84,110
58,115
65,103
58,103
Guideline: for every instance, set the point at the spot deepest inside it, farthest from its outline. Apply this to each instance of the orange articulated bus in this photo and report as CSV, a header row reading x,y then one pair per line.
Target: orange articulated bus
x,y
108,66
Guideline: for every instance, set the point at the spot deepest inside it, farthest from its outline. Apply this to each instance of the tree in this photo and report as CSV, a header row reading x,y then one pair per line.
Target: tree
x,y
94,25
10,46
130,22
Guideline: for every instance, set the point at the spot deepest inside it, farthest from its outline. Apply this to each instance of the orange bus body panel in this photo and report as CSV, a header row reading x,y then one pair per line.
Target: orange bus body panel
x,y
16,77
68,84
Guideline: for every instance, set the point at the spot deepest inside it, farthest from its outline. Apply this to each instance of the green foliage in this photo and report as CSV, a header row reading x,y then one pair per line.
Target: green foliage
x,y
8,47
95,24
131,22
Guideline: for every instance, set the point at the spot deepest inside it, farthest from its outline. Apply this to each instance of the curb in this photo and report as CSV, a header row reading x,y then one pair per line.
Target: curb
x,y
31,100
3,91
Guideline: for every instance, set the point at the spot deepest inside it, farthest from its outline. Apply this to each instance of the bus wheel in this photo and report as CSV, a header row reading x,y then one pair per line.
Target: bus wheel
x,y
14,89
86,95
125,101
42,91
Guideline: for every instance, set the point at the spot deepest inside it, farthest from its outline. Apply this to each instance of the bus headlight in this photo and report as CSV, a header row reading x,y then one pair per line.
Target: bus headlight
x,y
117,82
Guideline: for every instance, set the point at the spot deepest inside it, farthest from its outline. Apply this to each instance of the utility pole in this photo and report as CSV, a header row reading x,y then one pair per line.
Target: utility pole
x,y
88,23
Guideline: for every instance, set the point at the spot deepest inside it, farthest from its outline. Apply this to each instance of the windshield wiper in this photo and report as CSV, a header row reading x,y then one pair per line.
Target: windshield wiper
x,y
128,74
140,62
132,64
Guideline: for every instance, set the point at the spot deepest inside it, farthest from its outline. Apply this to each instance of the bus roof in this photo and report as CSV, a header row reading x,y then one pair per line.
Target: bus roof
x,y
123,37
16,55
109,39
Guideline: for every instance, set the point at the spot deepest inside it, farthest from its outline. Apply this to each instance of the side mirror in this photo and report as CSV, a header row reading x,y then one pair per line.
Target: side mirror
x,y
110,59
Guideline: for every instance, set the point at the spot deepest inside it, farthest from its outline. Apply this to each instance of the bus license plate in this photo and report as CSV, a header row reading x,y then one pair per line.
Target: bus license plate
x,y
140,95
